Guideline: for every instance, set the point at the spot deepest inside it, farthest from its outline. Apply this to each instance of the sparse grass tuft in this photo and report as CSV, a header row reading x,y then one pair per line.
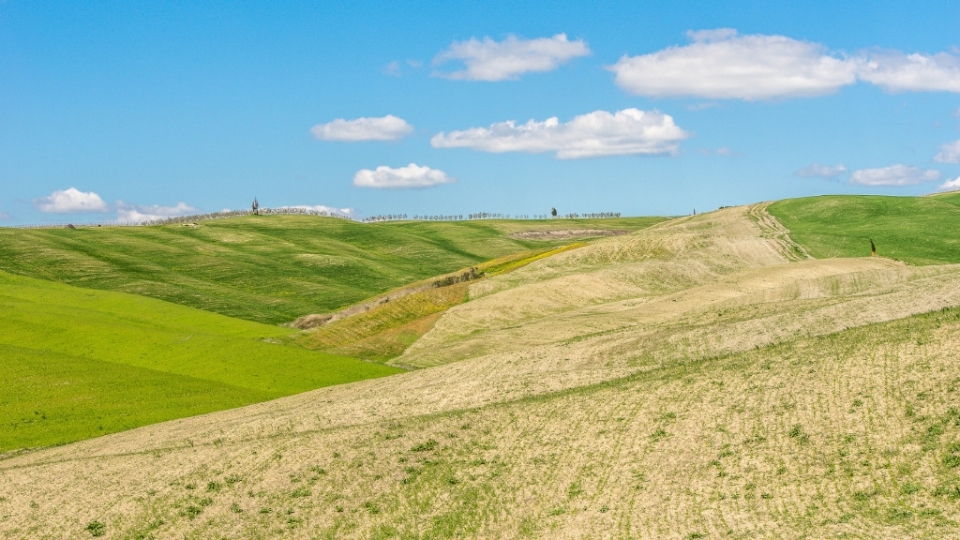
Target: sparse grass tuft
x,y
96,528
425,446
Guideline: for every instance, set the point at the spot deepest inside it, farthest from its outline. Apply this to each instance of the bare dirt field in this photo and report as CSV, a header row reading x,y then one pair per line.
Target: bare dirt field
x,y
703,378
566,234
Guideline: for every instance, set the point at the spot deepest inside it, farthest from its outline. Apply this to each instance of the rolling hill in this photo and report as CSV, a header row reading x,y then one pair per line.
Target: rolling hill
x,y
706,377
273,269
918,230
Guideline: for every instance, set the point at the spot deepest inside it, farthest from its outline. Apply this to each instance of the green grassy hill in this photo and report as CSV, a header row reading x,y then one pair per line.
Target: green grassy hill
x,y
79,363
916,230
270,269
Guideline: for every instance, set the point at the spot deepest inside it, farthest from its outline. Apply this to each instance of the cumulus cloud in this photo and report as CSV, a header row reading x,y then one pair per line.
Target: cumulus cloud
x,y
899,72
489,60
895,175
821,171
411,176
387,128
721,64
128,213
600,133
950,185
346,212
69,201
949,153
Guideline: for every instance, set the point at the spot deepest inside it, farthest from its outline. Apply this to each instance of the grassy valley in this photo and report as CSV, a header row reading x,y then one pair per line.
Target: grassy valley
x,y
80,363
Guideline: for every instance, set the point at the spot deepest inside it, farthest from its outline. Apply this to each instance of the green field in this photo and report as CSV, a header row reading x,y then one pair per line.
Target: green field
x,y
78,363
916,230
270,269
113,355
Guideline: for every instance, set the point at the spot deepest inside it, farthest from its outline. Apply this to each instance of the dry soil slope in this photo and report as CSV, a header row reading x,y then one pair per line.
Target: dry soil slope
x,y
681,382
716,283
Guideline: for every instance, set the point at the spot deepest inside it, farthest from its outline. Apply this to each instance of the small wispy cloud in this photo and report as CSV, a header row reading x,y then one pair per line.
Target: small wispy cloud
x,y
5,216
721,151
130,213
489,60
821,171
600,133
895,175
950,185
393,68
346,212
71,201
949,153
386,128
411,176
396,68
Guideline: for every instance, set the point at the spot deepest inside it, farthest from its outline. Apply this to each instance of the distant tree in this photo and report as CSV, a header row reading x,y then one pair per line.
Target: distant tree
x,y
553,212
255,207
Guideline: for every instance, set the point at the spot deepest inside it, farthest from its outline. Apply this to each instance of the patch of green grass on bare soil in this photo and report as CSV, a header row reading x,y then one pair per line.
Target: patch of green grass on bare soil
x,y
916,230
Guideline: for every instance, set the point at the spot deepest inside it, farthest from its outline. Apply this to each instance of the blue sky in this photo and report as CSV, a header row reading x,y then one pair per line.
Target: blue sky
x,y
119,110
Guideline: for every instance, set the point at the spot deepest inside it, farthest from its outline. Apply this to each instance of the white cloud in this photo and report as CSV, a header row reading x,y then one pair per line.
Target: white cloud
x,y
346,212
387,128
489,60
720,64
949,153
411,176
821,171
70,201
127,213
600,133
393,68
899,72
950,185
5,216
895,175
